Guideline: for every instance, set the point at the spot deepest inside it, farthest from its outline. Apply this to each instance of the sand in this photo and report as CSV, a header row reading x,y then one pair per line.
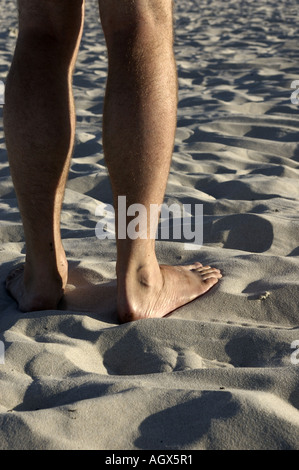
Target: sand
x,y
219,373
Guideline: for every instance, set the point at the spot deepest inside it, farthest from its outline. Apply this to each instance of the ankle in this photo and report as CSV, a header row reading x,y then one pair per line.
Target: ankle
x,y
143,268
137,290
51,268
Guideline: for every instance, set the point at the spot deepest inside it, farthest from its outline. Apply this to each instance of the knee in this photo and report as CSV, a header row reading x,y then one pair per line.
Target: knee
x,y
51,23
123,18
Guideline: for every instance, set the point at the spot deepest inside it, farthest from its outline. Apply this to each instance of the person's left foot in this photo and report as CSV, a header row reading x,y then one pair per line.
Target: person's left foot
x,y
155,291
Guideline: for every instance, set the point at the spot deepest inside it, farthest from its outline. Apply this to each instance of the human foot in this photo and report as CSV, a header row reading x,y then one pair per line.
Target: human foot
x,y
156,292
35,290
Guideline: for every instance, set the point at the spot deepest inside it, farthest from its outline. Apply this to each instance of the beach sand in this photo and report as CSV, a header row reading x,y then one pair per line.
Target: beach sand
x,y
219,373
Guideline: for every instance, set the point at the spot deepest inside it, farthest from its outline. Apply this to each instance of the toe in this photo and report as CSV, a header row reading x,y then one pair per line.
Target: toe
x,y
194,266
211,274
207,272
203,269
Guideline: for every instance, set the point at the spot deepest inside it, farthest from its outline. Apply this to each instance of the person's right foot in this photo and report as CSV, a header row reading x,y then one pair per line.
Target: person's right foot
x,y
39,291
157,291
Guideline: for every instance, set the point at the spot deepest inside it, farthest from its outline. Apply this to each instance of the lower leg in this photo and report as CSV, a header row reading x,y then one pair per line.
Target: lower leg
x,y
138,136
140,121
39,123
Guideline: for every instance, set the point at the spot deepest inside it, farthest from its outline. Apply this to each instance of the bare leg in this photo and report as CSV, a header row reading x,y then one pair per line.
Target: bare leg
x,y
39,122
138,136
